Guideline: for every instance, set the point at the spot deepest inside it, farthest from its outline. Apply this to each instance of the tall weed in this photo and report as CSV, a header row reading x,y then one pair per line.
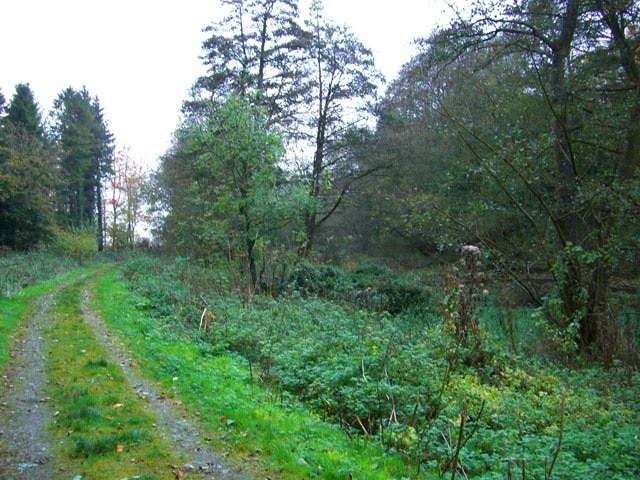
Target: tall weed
x,y
19,270
405,380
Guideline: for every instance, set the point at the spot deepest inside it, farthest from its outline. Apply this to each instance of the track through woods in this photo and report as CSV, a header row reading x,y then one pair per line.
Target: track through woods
x,y
74,405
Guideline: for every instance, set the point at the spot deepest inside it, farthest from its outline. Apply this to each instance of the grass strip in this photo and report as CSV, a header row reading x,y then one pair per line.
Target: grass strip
x,y
101,427
242,419
19,306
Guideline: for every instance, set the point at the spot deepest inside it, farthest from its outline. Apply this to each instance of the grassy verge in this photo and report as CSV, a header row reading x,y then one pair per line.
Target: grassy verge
x,y
101,428
17,306
241,418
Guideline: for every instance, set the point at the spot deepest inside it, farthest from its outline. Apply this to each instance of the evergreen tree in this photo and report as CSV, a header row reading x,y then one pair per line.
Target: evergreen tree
x,y
2,103
86,151
23,112
27,174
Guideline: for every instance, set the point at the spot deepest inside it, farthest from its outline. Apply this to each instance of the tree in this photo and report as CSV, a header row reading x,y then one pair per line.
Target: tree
x,y
124,200
86,149
27,174
231,197
552,156
344,79
255,52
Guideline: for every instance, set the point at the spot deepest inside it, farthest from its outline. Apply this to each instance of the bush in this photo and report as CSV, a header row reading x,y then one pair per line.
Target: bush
x,y
79,244
371,287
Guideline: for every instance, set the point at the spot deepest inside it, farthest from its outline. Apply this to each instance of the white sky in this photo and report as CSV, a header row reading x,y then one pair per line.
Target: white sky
x,y
140,57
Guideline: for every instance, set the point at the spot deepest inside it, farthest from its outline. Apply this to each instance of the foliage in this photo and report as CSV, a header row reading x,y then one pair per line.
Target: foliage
x,y
313,82
51,176
79,244
371,287
233,202
86,148
124,201
472,108
255,52
344,79
406,380
241,416
23,270
27,175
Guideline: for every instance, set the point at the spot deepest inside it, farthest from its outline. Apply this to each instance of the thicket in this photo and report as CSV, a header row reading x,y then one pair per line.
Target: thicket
x,y
21,270
447,382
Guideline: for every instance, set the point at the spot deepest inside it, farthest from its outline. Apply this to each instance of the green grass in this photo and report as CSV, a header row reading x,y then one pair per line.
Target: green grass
x,y
102,429
242,418
18,306
407,374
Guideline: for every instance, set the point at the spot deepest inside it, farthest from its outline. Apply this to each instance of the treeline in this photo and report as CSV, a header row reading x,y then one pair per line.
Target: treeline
x,y
51,175
515,128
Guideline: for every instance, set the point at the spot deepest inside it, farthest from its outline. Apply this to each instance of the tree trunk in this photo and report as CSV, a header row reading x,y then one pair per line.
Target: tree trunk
x,y
99,220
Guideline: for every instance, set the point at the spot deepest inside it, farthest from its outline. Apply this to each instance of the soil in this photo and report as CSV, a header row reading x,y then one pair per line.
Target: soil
x,y
174,424
25,412
25,443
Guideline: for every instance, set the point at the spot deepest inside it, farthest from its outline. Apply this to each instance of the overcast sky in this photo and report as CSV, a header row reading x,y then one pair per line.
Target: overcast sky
x,y
140,57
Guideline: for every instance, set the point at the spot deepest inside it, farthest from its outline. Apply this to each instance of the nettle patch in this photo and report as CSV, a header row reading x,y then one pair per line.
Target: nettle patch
x,y
432,385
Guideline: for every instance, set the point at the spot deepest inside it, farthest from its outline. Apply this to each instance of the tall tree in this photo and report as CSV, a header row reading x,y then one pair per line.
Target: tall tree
x,y
551,148
230,198
344,79
86,150
27,174
255,52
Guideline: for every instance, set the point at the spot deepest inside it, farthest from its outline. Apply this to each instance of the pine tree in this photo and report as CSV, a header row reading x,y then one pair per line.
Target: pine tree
x,y
27,174
86,151
257,52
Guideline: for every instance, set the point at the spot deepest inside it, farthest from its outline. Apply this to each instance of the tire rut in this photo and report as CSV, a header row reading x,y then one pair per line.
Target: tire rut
x,y
25,442
177,427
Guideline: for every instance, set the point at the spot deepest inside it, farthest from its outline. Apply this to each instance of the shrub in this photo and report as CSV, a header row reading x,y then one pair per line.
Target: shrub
x,y
371,287
79,244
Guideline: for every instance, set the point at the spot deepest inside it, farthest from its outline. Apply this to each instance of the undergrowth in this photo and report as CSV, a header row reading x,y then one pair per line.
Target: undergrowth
x,y
448,398
264,429
22,270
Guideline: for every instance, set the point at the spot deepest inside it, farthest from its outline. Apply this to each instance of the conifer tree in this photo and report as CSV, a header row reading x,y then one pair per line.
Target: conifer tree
x,y
86,151
27,174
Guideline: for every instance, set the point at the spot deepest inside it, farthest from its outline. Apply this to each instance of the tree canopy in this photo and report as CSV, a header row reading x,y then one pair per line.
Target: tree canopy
x,y
27,174
535,153
86,147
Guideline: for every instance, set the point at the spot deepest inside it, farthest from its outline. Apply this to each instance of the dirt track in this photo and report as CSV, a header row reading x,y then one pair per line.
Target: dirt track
x,y
25,444
26,447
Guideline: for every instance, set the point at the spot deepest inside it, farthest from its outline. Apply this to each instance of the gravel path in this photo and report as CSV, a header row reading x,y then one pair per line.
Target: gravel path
x,y
25,443
25,412
177,428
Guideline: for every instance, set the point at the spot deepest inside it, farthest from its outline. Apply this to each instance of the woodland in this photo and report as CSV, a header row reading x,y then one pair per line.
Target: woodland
x,y
445,263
